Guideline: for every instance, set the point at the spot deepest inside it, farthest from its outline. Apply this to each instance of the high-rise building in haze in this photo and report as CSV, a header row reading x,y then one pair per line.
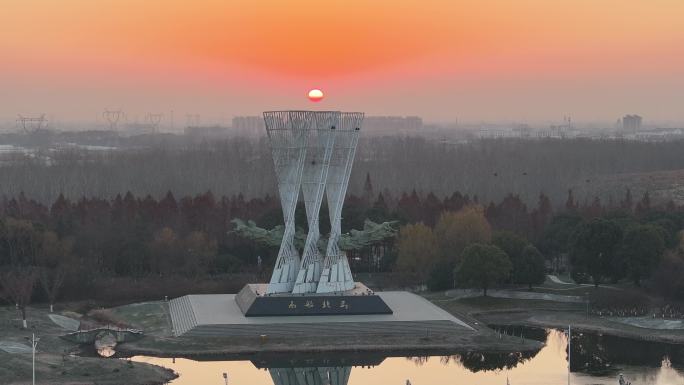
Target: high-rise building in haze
x,y
631,123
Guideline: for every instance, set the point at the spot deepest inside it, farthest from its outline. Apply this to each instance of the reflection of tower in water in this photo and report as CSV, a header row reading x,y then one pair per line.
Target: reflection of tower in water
x,y
316,370
311,376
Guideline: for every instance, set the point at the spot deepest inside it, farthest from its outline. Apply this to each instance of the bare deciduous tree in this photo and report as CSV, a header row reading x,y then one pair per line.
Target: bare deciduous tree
x,y
54,258
17,284
52,280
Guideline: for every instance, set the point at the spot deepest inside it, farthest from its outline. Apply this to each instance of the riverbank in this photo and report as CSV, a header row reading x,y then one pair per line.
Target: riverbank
x,y
244,347
549,314
60,362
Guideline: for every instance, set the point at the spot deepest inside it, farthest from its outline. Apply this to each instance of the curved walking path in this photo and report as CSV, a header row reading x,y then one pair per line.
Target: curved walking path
x,y
513,294
650,322
555,279
14,347
65,323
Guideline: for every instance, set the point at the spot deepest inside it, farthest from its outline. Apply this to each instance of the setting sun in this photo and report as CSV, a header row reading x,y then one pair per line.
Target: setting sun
x,y
315,95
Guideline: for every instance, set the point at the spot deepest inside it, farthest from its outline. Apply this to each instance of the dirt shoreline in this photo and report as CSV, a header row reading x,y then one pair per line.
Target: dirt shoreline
x,y
580,323
483,341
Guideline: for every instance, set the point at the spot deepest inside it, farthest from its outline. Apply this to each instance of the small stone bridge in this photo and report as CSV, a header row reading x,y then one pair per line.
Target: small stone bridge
x,y
91,335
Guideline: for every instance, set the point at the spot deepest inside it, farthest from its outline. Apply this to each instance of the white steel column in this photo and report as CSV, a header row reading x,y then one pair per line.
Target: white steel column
x,y
336,275
318,151
287,135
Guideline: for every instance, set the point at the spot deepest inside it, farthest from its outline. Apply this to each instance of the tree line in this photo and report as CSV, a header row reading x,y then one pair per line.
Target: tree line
x,y
488,169
70,249
483,246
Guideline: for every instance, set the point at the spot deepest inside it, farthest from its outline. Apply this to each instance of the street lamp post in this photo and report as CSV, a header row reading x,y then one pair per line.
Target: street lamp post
x,y
569,351
34,343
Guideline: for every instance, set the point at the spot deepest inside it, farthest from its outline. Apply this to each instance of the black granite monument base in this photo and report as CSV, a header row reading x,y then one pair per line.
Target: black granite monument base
x,y
253,302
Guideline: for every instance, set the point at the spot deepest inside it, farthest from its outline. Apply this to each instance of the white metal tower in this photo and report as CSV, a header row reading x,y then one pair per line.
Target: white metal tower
x,y
314,151
336,275
311,375
287,133
319,145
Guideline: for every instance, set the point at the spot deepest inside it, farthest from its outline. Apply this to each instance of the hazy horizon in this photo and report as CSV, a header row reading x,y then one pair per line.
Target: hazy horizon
x,y
532,61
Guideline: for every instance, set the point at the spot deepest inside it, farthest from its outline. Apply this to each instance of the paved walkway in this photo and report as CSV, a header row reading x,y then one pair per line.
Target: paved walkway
x,y
66,323
512,294
14,347
557,280
650,322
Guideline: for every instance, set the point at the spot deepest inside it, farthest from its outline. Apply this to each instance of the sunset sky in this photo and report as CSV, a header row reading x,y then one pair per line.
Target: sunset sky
x,y
491,60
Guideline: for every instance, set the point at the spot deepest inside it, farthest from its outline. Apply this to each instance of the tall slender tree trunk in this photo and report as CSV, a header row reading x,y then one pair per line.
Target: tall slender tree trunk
x,y
23,317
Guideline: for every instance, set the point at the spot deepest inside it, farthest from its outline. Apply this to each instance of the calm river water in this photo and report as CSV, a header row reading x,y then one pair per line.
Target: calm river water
x,y
595,359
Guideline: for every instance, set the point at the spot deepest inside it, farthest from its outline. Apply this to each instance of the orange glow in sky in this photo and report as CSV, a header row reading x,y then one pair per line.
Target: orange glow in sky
x,y
489,59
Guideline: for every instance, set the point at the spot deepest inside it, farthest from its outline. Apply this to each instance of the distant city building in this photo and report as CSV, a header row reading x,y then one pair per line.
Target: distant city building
x,y
660,135
554,131
391,124
250,126
559,131
522,130
631,123
496,133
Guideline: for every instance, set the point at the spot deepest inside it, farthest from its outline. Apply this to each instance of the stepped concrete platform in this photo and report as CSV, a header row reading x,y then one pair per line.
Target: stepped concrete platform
x,y
214,315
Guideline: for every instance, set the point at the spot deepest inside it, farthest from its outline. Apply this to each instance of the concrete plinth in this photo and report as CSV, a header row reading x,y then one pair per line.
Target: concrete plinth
x,y
219,315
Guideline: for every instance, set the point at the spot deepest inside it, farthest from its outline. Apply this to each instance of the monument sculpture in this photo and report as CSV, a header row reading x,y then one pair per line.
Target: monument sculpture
x,y
313,152
311,291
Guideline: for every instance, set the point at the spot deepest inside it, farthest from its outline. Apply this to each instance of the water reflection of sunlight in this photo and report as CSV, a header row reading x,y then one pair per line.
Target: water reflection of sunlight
x,y
547,367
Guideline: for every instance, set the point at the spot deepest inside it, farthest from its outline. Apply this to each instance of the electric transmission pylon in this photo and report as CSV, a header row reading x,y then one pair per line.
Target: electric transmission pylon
x,y
32,123
154,120
113,117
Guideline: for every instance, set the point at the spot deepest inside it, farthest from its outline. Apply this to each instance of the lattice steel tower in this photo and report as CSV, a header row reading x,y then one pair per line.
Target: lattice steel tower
x,y
112,117
32,124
